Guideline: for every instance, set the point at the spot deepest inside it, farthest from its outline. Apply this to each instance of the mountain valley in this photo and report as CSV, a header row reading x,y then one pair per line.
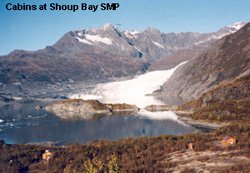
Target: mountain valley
x,y
99,55
115,71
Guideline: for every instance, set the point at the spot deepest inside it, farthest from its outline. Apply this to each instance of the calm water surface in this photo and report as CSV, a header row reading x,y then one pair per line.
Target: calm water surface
x,y
22,123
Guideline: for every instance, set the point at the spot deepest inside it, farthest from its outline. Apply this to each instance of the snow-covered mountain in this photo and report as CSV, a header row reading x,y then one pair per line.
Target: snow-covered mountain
x,y
221,33
100,54
150,44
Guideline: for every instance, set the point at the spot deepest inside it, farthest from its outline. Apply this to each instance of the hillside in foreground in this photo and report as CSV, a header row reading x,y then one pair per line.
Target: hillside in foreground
x,y
227,103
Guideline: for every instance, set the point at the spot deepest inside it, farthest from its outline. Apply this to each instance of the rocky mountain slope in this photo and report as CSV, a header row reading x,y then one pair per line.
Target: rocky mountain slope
x,y
226,59
96,55
176,58
228,101
179,56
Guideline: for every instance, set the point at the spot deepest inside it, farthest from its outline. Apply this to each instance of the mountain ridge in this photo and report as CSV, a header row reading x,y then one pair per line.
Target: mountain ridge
x,y
226,59
95,55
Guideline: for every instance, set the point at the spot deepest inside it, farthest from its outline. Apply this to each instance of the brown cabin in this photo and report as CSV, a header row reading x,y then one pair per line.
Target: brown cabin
x,y
227,141
190,146
47,155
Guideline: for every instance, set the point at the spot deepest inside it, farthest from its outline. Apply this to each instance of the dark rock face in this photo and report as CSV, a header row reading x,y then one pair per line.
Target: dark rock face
x,y
226,59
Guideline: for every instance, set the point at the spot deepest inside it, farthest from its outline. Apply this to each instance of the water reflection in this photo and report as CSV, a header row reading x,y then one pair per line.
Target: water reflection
x,y
24,124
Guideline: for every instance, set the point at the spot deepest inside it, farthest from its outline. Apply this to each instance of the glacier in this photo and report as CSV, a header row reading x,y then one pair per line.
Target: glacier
x,y
133,91
90,39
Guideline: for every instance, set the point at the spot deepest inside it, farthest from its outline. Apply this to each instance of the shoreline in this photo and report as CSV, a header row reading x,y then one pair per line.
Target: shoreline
x,y
203,125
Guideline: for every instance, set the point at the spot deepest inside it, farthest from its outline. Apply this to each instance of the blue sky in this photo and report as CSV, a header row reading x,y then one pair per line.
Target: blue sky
x,y
31,30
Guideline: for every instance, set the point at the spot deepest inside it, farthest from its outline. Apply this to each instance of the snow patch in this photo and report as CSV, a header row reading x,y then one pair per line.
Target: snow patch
x,y
84,41
90,39
158,44
98,38
80,34
223,35
213,37
237,25
132,34
137,49
231,29
134,91
1,121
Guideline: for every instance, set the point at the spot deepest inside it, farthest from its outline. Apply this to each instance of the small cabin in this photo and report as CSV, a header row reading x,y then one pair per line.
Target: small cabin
x,y
47,155
227,141
190,146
